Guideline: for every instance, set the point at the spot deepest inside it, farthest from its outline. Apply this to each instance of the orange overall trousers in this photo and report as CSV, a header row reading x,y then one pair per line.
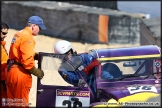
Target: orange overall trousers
x,y
4,58
19,80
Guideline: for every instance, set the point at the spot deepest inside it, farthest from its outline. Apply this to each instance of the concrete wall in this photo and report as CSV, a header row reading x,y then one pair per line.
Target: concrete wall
x,y
124,30
68,21
99,4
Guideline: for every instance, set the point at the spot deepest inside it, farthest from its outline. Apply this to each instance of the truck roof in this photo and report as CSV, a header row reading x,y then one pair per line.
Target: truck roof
x,y
146,51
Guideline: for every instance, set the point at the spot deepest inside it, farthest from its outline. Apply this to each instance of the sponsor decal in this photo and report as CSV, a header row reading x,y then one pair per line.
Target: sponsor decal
x,y
73,93
72,98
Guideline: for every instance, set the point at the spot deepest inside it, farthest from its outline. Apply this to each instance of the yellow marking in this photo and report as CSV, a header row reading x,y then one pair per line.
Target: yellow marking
x,y
140,97
100,106
110,103
129,57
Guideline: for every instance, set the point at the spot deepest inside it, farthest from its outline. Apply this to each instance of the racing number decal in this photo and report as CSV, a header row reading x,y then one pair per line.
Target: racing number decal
x,y
75,104
71,98
135,88
67,102
141,88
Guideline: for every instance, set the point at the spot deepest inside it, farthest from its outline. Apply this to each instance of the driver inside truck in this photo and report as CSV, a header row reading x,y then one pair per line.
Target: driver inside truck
x,y
65,47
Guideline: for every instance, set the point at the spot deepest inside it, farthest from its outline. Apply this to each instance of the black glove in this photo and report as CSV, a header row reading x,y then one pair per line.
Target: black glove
x,y
4,84
37,72
35,56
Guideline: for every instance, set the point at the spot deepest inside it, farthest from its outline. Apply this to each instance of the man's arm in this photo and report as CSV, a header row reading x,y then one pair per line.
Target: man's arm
x,y
68,76
27,51
91,63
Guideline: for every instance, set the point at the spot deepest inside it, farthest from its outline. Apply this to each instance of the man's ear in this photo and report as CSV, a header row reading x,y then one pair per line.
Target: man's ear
x,y
32,26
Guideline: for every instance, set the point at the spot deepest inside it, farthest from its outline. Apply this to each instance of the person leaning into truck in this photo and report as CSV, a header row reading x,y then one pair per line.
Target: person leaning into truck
x,y
21,64
65,47
4,58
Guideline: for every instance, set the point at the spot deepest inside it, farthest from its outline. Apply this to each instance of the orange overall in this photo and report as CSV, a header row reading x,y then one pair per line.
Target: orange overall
x,y
4,58
19,80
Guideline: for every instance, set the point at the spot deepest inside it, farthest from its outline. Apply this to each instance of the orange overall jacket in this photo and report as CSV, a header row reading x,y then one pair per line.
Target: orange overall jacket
x,y
4,58
19,80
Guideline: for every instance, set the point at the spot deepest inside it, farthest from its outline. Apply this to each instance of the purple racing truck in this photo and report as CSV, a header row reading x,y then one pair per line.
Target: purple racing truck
x,y
136,79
